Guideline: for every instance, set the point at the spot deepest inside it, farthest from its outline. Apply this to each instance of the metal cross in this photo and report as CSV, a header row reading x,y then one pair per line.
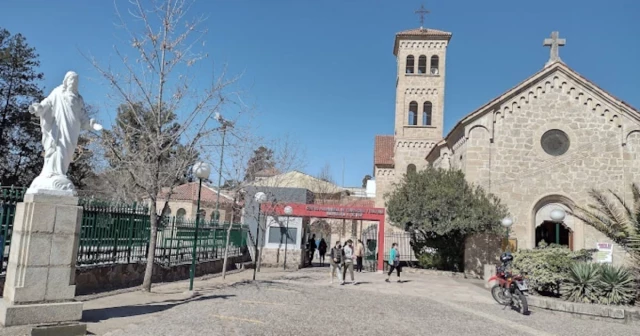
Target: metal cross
x,y
554,42
422,11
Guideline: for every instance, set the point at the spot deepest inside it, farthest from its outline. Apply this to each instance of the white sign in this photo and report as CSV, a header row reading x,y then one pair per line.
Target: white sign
x,y
605,253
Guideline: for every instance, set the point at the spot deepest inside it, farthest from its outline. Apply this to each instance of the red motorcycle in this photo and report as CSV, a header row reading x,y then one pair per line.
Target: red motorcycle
x,y
510,289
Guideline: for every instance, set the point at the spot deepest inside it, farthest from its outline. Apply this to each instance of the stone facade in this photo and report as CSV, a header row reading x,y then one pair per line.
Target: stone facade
x,y
499,145
499,148
413,139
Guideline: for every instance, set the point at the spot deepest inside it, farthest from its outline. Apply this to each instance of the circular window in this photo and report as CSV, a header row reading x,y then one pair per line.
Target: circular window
x,y
555,142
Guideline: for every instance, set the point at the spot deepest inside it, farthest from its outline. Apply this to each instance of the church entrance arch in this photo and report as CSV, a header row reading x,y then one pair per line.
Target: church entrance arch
x,y
340,212
551,232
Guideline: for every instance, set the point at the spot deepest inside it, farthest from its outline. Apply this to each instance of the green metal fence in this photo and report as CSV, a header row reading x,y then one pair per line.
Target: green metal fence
x,y
119,233
176,237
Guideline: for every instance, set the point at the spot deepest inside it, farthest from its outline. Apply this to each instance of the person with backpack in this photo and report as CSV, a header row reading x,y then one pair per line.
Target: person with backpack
x,y
322,250
348,261
394,262
337,261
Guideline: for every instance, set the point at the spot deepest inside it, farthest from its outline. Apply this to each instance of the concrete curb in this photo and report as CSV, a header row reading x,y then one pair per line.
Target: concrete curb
x,y
623,314
441,273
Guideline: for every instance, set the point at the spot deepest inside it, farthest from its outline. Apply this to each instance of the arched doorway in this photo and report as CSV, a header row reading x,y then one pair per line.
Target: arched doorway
x,y
551,232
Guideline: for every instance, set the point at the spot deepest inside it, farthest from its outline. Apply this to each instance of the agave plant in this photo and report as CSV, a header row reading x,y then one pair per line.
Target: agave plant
x,y
582,283
617,285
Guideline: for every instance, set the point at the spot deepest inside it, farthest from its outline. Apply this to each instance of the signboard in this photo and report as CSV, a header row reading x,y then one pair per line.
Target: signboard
x,y
512,244
605,253
325,211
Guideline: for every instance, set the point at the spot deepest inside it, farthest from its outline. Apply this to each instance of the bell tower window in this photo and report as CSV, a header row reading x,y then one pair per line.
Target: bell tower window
x,y
426,113
410,64
435,63
413,113
422,64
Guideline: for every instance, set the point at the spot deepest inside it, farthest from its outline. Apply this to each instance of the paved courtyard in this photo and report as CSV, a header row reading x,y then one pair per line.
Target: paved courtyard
x,y
304,302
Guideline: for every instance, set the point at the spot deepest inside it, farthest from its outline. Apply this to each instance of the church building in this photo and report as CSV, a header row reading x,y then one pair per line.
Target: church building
x,y
540,146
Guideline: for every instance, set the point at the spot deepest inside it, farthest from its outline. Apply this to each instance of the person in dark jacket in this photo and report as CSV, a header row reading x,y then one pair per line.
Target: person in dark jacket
x,y
322,250
337,261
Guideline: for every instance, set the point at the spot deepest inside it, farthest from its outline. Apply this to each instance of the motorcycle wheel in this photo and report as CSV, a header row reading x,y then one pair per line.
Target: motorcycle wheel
x,y
498,294
522,299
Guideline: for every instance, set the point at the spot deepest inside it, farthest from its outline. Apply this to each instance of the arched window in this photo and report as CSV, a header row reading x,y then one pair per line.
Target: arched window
x,y
435,63
422,64
413,113
410,64
426,113
181,213
411,169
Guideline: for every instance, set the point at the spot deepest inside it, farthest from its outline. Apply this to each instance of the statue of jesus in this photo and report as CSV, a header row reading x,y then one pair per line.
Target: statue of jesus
x,y
62,116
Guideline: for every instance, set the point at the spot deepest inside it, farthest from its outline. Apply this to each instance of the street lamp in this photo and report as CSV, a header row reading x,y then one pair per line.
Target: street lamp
x,y
288,210
224,124
557,216
202,171
506,223
260,198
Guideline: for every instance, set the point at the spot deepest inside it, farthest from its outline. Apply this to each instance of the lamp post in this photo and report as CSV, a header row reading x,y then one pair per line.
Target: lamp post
x,y
225,124
288,210
260,198
506,223
202,171
557,216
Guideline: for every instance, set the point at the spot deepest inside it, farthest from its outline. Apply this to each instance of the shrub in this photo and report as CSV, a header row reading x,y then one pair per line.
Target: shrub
x,y
548,266
617,285
582,283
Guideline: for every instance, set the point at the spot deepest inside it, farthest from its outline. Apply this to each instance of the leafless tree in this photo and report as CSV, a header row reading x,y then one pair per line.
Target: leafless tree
x,y
165,118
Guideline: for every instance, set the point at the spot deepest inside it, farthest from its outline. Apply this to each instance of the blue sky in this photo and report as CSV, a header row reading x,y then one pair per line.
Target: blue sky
x,y
324,71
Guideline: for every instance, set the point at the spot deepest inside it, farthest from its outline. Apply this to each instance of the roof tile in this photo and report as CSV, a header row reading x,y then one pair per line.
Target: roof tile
x,y
383,150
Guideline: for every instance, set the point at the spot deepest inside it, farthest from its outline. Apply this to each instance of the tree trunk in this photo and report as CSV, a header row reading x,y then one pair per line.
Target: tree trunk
x,y
226,245
151,254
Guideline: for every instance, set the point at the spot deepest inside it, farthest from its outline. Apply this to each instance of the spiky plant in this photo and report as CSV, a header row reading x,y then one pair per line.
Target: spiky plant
x,y
616,218
582,283
617,285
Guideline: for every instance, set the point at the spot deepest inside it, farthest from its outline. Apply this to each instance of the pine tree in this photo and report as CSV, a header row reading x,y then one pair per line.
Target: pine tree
x,y
20,148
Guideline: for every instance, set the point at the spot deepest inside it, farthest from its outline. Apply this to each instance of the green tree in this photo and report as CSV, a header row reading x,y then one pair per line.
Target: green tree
x,y
20,149
617,219
441,208
262,159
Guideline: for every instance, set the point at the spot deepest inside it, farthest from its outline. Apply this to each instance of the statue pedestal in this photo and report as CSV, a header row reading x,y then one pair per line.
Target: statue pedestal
x,y
40,282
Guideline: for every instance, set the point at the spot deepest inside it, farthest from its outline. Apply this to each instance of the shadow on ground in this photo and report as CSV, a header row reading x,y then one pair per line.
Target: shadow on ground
x,y
101,314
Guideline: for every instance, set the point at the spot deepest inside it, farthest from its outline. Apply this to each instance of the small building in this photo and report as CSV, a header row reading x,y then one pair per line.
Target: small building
x,y
183,202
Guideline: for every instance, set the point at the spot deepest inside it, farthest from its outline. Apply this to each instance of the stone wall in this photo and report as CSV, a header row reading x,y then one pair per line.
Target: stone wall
x,y
95,279
275,258
480,250
503,152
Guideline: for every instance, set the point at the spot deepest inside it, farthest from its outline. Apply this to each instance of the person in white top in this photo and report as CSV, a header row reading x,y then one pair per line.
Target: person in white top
x,y
349,255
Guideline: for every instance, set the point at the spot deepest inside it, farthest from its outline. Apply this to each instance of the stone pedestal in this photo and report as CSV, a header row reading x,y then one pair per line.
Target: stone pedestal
x,y
40,282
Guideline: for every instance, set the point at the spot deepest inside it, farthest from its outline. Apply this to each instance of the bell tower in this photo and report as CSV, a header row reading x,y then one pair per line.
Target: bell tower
x,y
421,56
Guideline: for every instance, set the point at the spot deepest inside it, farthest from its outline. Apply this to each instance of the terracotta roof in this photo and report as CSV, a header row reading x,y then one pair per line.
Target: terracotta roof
x,y
189,192
420,34
383,150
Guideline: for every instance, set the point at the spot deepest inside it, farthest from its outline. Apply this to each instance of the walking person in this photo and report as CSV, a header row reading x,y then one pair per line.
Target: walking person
x,y
337,261
394,261
311,248
322,250
359,255
348,260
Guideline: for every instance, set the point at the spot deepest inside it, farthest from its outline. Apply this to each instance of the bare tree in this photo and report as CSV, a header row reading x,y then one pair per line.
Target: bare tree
x,y
164,118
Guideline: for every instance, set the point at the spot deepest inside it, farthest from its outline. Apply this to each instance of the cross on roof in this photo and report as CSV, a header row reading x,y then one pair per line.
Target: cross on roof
x,y
554,42
422,11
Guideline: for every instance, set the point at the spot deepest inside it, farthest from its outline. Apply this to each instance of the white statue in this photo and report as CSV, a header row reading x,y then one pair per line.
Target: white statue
x,y
62,117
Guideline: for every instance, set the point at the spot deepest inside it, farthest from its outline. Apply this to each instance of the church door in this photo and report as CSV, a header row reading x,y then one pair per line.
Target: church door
x,y
554,233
